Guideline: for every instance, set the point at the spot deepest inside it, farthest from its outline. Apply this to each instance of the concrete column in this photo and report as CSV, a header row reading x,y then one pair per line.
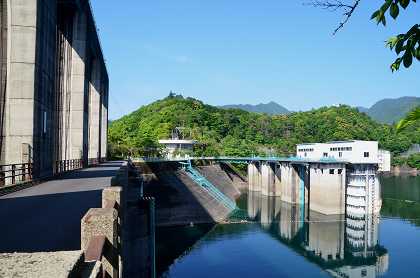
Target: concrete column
x,y
78,122
3,69
326,236
29,101
20,88
254,204
270,182
328,185
254,177
104,122
94,111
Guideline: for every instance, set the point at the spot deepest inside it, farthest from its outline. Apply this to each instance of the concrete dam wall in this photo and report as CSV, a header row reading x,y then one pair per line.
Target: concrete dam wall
x,y
180,200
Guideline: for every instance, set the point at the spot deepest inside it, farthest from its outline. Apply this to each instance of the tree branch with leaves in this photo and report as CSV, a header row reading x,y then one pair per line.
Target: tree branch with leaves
x,y
406,45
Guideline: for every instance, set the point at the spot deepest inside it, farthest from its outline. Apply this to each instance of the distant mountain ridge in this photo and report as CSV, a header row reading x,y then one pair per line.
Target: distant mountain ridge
x,y
271,108
389,110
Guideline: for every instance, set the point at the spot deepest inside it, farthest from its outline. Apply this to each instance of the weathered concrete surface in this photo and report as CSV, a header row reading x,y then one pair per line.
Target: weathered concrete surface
x,y
103,222
49,85
51,212
327,190
40,264
218,176
254,177
180,201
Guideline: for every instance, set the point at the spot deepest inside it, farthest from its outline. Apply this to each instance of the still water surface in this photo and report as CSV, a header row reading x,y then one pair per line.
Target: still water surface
x,y
281,243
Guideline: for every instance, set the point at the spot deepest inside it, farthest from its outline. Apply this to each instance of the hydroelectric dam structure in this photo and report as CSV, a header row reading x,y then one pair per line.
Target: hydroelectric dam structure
x,y
53,89
329,186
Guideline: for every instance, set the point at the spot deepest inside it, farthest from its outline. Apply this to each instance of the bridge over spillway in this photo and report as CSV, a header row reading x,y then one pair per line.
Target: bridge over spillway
x,y
329,186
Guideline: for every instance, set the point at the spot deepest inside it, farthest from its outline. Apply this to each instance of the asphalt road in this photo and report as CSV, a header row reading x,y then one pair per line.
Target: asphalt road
x,y
46,217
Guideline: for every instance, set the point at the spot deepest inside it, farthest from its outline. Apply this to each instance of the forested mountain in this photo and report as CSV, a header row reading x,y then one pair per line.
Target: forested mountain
x,y
387,111
238,132
391,110
271,108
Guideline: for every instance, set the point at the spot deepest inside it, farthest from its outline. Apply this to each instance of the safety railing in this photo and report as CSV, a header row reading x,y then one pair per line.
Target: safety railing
x,y
208,186
62,166
11,174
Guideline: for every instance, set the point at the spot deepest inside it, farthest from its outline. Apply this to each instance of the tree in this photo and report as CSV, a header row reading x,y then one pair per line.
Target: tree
x,y
412,117
406,46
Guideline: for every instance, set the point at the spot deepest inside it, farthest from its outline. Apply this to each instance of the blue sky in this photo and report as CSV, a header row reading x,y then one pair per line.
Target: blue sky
x,y
243,51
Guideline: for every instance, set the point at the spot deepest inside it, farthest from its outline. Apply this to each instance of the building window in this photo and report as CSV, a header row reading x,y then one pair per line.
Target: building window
x,y
364,273
325,155
340,154
332,171
340,171
366,154
306,154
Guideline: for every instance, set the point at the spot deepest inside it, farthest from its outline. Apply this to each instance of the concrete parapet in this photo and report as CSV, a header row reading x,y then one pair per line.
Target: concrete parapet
x,y
41,264
112,194
102,222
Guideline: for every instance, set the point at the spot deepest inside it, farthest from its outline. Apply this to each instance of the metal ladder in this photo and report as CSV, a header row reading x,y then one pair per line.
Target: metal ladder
x,y
208,186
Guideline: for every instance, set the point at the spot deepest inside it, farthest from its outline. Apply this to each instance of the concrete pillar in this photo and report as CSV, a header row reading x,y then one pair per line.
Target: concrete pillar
x,y
293,183
270,182
327,188
63,95
29,100
270,210
94,111
254,177
290,220
326,236
78,124
104,122
3,69
254,204
102,222
21,80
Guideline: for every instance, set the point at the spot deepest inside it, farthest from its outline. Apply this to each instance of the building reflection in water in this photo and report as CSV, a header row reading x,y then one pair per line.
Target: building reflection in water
x,y
343,245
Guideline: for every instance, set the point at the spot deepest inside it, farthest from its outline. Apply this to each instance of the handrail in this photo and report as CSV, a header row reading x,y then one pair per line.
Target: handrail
x,y
209,187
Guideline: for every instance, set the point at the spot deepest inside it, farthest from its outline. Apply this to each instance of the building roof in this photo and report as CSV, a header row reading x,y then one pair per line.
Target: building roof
x,y
336,142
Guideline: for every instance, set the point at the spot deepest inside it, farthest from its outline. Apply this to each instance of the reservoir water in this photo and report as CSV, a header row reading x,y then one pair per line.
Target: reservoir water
x,y
281,241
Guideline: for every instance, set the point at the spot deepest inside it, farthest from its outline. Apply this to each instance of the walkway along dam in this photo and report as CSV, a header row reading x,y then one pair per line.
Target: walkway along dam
x,y
53,89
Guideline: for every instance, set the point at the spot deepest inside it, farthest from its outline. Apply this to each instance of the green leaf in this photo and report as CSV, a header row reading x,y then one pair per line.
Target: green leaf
x,y
394,11
386,5
396,65
375,14
391,42
417,53
399,46
407,59
404,3
383,21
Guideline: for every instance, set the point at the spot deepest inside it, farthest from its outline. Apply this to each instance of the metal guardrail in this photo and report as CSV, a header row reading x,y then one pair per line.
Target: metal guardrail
x,y
293,159
209,187
11,174
63,166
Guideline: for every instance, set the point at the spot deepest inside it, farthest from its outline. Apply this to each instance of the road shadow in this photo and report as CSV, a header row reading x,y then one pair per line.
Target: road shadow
x,y
45,223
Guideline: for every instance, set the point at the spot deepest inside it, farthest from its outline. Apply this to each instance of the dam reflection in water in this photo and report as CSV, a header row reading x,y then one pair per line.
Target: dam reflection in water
x,y
343,245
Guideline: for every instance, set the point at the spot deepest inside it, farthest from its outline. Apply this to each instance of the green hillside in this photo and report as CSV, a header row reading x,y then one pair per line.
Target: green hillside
x,y
238,132
391,110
